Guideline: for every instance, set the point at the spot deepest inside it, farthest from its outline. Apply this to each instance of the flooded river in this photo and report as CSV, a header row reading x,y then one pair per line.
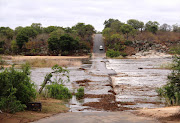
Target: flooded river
x,y
133,87
137,80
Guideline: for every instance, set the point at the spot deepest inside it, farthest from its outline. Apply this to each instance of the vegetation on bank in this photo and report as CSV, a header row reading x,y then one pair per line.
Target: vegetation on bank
x,y
80,93
51,40
16,89
171,91
49,107
120,38
175,49
2,62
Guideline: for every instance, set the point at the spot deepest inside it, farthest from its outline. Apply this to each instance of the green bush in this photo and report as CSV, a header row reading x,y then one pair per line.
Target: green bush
x,y
1,50
123,54
175,50
16,88
58,91
2,62
171,91
11,104
80,93
111,53
128,42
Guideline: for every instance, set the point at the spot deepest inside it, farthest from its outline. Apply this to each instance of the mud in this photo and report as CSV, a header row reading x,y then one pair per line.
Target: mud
x,y
83,81
106,103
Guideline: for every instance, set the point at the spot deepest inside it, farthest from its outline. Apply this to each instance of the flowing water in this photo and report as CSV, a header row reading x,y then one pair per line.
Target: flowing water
x,y
135,83
137,80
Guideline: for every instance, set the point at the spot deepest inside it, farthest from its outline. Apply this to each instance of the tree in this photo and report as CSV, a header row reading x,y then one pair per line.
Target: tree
x,y
126,30
68,30
14,46
49,29
165,27
107,33
89,29
80,29
6,31
152,26
107,23
60,72
83,30
37,27
115,26
21,39
54,44
171,91
68,43
141,25
136,24
116,38
18,29
57,32
176,28
64,43
24,35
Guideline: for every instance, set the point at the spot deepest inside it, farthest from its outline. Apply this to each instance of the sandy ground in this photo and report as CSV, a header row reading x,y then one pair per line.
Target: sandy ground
x,y
50,107
165,115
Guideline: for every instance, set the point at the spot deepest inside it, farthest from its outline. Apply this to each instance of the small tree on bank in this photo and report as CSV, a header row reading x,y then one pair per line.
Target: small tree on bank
x,y
171,91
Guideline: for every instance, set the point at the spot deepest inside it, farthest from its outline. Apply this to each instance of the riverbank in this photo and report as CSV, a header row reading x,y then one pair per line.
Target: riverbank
x,y
165,115
135,84
50,107
45,61
149,54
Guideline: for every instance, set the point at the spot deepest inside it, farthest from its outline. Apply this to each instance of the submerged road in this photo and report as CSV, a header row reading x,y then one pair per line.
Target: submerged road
x,y
98,71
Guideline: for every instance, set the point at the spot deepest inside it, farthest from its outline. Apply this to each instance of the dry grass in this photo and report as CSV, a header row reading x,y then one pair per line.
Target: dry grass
x,y
49,107
166,66
44,57
51,63
48,61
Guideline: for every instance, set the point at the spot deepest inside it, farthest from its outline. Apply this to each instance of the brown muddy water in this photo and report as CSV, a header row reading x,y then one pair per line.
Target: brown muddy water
x,y
133,87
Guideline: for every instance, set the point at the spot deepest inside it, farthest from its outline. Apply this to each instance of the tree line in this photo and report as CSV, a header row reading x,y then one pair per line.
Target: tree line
x,y
119,35
51,40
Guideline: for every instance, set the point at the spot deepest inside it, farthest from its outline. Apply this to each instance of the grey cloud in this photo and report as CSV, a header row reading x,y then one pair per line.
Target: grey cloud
x,y
15,13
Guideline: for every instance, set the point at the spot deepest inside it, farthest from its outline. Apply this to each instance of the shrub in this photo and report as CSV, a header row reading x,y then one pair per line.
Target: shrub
x,y
175,50
16,89
59,73
80,93
123,54
58,91
171,91
10,103
2,62
111,53
127,42
1,50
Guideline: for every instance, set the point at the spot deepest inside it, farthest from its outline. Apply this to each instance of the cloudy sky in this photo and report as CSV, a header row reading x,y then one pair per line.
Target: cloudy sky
x,y
66,13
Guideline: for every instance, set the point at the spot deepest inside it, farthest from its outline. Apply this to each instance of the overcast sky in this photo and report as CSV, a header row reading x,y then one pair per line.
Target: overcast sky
x,y
66,13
